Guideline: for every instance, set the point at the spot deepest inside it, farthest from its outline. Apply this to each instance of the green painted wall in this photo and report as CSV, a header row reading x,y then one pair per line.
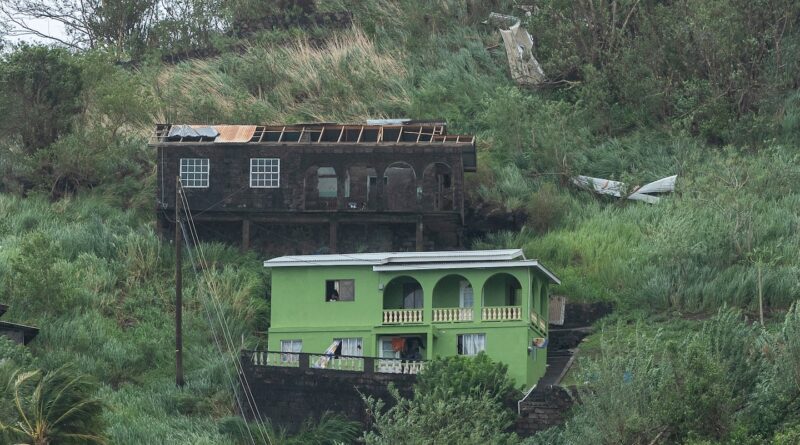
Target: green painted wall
x,y
300,312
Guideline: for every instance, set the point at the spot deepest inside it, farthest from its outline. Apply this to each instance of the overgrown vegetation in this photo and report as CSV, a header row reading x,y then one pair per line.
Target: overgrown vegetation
x,y
456,400
637,90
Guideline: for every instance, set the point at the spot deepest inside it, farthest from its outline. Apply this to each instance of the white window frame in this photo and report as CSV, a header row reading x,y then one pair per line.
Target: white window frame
x,y
265,173
195,172
353,346
289,349
472,344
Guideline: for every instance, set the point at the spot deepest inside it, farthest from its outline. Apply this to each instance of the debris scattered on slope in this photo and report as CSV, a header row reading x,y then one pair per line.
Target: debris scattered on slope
x,y
525,69
619,189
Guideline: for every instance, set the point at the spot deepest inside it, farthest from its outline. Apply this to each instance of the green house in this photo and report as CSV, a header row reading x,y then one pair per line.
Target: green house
x,y
405,308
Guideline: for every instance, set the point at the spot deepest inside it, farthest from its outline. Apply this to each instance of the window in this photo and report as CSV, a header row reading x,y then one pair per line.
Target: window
x,y
340,290
289,346
265,172
350,346
194,172
471,344
327,182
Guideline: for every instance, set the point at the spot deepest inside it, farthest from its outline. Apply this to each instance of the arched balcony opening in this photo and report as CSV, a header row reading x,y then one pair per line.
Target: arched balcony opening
x,y
360,188
400,190
453,299
437,187
502,298
403,300
321,188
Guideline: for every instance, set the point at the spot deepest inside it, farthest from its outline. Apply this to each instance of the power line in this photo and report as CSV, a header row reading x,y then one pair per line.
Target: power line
x,y
225,329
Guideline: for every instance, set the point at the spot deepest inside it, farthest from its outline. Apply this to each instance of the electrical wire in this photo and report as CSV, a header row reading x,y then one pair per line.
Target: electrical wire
x,y
219,312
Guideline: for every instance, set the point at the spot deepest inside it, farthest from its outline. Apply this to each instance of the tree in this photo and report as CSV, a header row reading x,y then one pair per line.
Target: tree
x,y
448,377
87,24
123,27
428,419
456,400
40,94
56,407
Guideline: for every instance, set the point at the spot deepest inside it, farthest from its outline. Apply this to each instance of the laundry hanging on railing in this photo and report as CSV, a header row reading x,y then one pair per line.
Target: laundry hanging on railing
x,y
325,358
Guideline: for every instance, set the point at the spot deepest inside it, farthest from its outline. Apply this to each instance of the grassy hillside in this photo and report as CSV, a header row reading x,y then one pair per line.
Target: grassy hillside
x,y
636,91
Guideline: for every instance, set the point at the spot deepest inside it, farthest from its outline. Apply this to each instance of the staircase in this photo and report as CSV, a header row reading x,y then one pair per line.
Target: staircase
x,y
565,339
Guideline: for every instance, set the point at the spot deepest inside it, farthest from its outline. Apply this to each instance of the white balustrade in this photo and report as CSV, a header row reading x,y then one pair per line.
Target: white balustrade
x,y
501,313
402,316
538,321
398,366
451,314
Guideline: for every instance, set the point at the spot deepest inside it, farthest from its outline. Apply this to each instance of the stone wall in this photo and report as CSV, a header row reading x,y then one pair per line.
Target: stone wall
x,y
545,407
288,396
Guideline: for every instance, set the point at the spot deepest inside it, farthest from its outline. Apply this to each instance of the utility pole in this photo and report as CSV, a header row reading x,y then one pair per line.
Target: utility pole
x,y
178,286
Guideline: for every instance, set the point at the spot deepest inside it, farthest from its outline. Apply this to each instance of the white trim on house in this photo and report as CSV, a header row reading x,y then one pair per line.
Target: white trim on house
x,y
400,261
378,258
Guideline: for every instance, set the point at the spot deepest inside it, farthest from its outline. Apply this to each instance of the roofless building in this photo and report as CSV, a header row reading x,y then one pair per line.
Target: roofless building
x,y
321,187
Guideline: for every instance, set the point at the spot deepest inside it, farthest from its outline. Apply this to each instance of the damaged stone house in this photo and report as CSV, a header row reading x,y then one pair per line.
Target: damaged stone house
x,y
320,187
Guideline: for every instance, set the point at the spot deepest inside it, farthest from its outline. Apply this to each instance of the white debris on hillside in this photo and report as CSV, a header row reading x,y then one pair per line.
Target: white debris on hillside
x,y
619,189
525,69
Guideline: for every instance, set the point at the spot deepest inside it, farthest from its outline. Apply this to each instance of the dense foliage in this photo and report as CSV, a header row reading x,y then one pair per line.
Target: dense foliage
x,y
728,382
461,400
636,91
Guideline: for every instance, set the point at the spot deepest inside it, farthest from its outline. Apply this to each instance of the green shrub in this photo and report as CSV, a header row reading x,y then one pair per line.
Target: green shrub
x,y
448,377
429,419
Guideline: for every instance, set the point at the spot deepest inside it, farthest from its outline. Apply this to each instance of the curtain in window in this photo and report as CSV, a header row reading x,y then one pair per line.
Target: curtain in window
x,y
351,346
474,343
288,346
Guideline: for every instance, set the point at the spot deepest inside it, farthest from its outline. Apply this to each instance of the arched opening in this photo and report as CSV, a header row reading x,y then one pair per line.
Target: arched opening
x,y
437,187
403,300
360,188
320,188
400,191
453,299
502,298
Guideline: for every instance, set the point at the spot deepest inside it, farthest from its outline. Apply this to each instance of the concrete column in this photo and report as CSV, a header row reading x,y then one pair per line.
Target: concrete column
x,y
420,235
334,227
245,234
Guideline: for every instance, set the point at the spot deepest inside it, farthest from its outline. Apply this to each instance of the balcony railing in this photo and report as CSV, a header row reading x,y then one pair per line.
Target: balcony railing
x,y
333,362
538,321
452,314
402,316
398,366
501,313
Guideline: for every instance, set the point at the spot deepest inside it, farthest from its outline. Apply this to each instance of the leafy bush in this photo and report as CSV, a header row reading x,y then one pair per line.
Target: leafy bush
x,y
430,419
478,388
448,377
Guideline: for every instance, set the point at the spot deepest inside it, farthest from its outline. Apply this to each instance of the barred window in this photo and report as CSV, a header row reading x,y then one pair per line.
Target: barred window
x,y
194,172
265,172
